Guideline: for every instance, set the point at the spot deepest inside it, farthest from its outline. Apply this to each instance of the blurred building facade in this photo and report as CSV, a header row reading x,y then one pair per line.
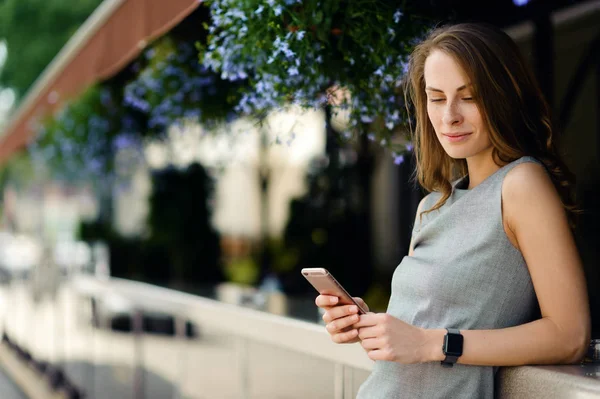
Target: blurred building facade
x,y
562,45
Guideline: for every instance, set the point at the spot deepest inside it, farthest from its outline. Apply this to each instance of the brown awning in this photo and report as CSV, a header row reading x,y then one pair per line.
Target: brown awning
x,y
111,38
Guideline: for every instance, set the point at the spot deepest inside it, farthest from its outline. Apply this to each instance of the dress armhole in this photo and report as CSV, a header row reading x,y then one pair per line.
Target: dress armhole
x,y
417,223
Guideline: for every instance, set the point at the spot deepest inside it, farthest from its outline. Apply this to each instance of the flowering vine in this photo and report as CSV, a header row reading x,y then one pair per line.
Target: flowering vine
x,y
80,140
293,51
174,87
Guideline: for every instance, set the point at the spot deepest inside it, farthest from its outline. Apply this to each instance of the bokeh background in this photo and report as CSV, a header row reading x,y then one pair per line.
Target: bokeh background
x,y
197,146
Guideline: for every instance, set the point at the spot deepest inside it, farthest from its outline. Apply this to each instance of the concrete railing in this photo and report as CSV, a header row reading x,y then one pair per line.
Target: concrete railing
x,y
123,339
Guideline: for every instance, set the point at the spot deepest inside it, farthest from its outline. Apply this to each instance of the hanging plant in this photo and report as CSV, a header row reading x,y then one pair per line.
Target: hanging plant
x,y
174,87
80,140
296,50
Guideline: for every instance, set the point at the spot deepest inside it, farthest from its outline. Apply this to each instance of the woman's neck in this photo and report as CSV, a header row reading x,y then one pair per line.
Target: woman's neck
x,y
480,167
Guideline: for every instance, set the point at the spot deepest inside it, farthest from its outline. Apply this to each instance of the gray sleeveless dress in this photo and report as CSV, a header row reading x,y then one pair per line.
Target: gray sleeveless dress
x,y
464,274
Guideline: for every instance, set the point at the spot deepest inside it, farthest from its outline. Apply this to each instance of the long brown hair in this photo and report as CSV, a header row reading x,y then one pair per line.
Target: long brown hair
x,y
510,101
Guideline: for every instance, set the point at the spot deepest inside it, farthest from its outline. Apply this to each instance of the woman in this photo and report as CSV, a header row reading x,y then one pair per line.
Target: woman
x,y
493,277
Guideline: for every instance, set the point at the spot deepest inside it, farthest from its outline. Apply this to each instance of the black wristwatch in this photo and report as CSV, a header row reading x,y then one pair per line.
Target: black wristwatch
x,y
453,347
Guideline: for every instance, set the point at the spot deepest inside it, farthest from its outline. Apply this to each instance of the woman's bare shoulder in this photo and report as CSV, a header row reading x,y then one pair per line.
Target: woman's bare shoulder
x,y
527,187
526,179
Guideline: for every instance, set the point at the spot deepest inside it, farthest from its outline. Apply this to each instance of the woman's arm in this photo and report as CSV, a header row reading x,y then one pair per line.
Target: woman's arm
x,y
537,221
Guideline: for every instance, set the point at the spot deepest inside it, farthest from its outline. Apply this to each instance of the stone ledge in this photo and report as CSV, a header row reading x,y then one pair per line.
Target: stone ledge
x,y
568,381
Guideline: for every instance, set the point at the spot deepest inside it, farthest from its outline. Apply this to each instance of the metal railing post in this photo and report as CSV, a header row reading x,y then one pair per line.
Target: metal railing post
x,y
181,342
338,381
348,383
138,329
243,364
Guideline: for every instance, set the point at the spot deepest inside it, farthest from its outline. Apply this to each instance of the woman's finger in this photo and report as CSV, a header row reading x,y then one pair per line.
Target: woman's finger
x,y
368,320
338,325
326,301
337,312
370,343
377,354
367,332
362,303
347,337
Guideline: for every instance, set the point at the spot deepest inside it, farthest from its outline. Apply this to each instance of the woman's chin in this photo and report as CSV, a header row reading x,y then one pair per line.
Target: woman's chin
x,y
457,153
464,152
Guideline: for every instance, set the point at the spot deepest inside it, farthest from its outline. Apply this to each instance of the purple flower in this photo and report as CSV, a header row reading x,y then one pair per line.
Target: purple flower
x,y
66,147
128,123
105,98
150,53
398,14
404,65
409,147
398,159
94,165
289,53
123,141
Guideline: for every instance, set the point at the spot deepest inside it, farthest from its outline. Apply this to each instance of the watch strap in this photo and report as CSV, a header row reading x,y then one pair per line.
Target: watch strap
x,y
449,361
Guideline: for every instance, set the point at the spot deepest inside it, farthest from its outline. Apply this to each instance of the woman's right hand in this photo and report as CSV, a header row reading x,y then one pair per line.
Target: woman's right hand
x,y
340,318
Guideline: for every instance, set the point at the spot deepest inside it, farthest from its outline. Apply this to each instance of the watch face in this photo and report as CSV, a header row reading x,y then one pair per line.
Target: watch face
x,y
453,344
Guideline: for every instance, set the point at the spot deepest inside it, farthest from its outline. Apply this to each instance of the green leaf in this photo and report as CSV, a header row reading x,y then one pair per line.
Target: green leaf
x,y
318,17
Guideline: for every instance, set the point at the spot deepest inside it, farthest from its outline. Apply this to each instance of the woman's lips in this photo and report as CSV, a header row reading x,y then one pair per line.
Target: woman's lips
x,y
454,138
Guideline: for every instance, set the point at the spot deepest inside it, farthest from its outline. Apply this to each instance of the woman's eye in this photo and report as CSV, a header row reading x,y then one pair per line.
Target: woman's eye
x,y
467,98
435,100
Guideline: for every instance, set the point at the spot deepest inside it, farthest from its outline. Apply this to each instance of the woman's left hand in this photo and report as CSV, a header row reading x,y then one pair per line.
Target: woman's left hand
x,y
385,337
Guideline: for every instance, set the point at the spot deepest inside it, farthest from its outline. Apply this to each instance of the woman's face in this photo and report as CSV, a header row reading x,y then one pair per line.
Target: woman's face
x,y
451,109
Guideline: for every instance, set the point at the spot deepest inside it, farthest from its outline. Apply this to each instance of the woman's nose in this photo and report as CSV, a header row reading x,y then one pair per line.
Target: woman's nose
x,y
452,116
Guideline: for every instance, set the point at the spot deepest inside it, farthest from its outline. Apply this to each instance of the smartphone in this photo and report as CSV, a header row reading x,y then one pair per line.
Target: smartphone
x,y
326,284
